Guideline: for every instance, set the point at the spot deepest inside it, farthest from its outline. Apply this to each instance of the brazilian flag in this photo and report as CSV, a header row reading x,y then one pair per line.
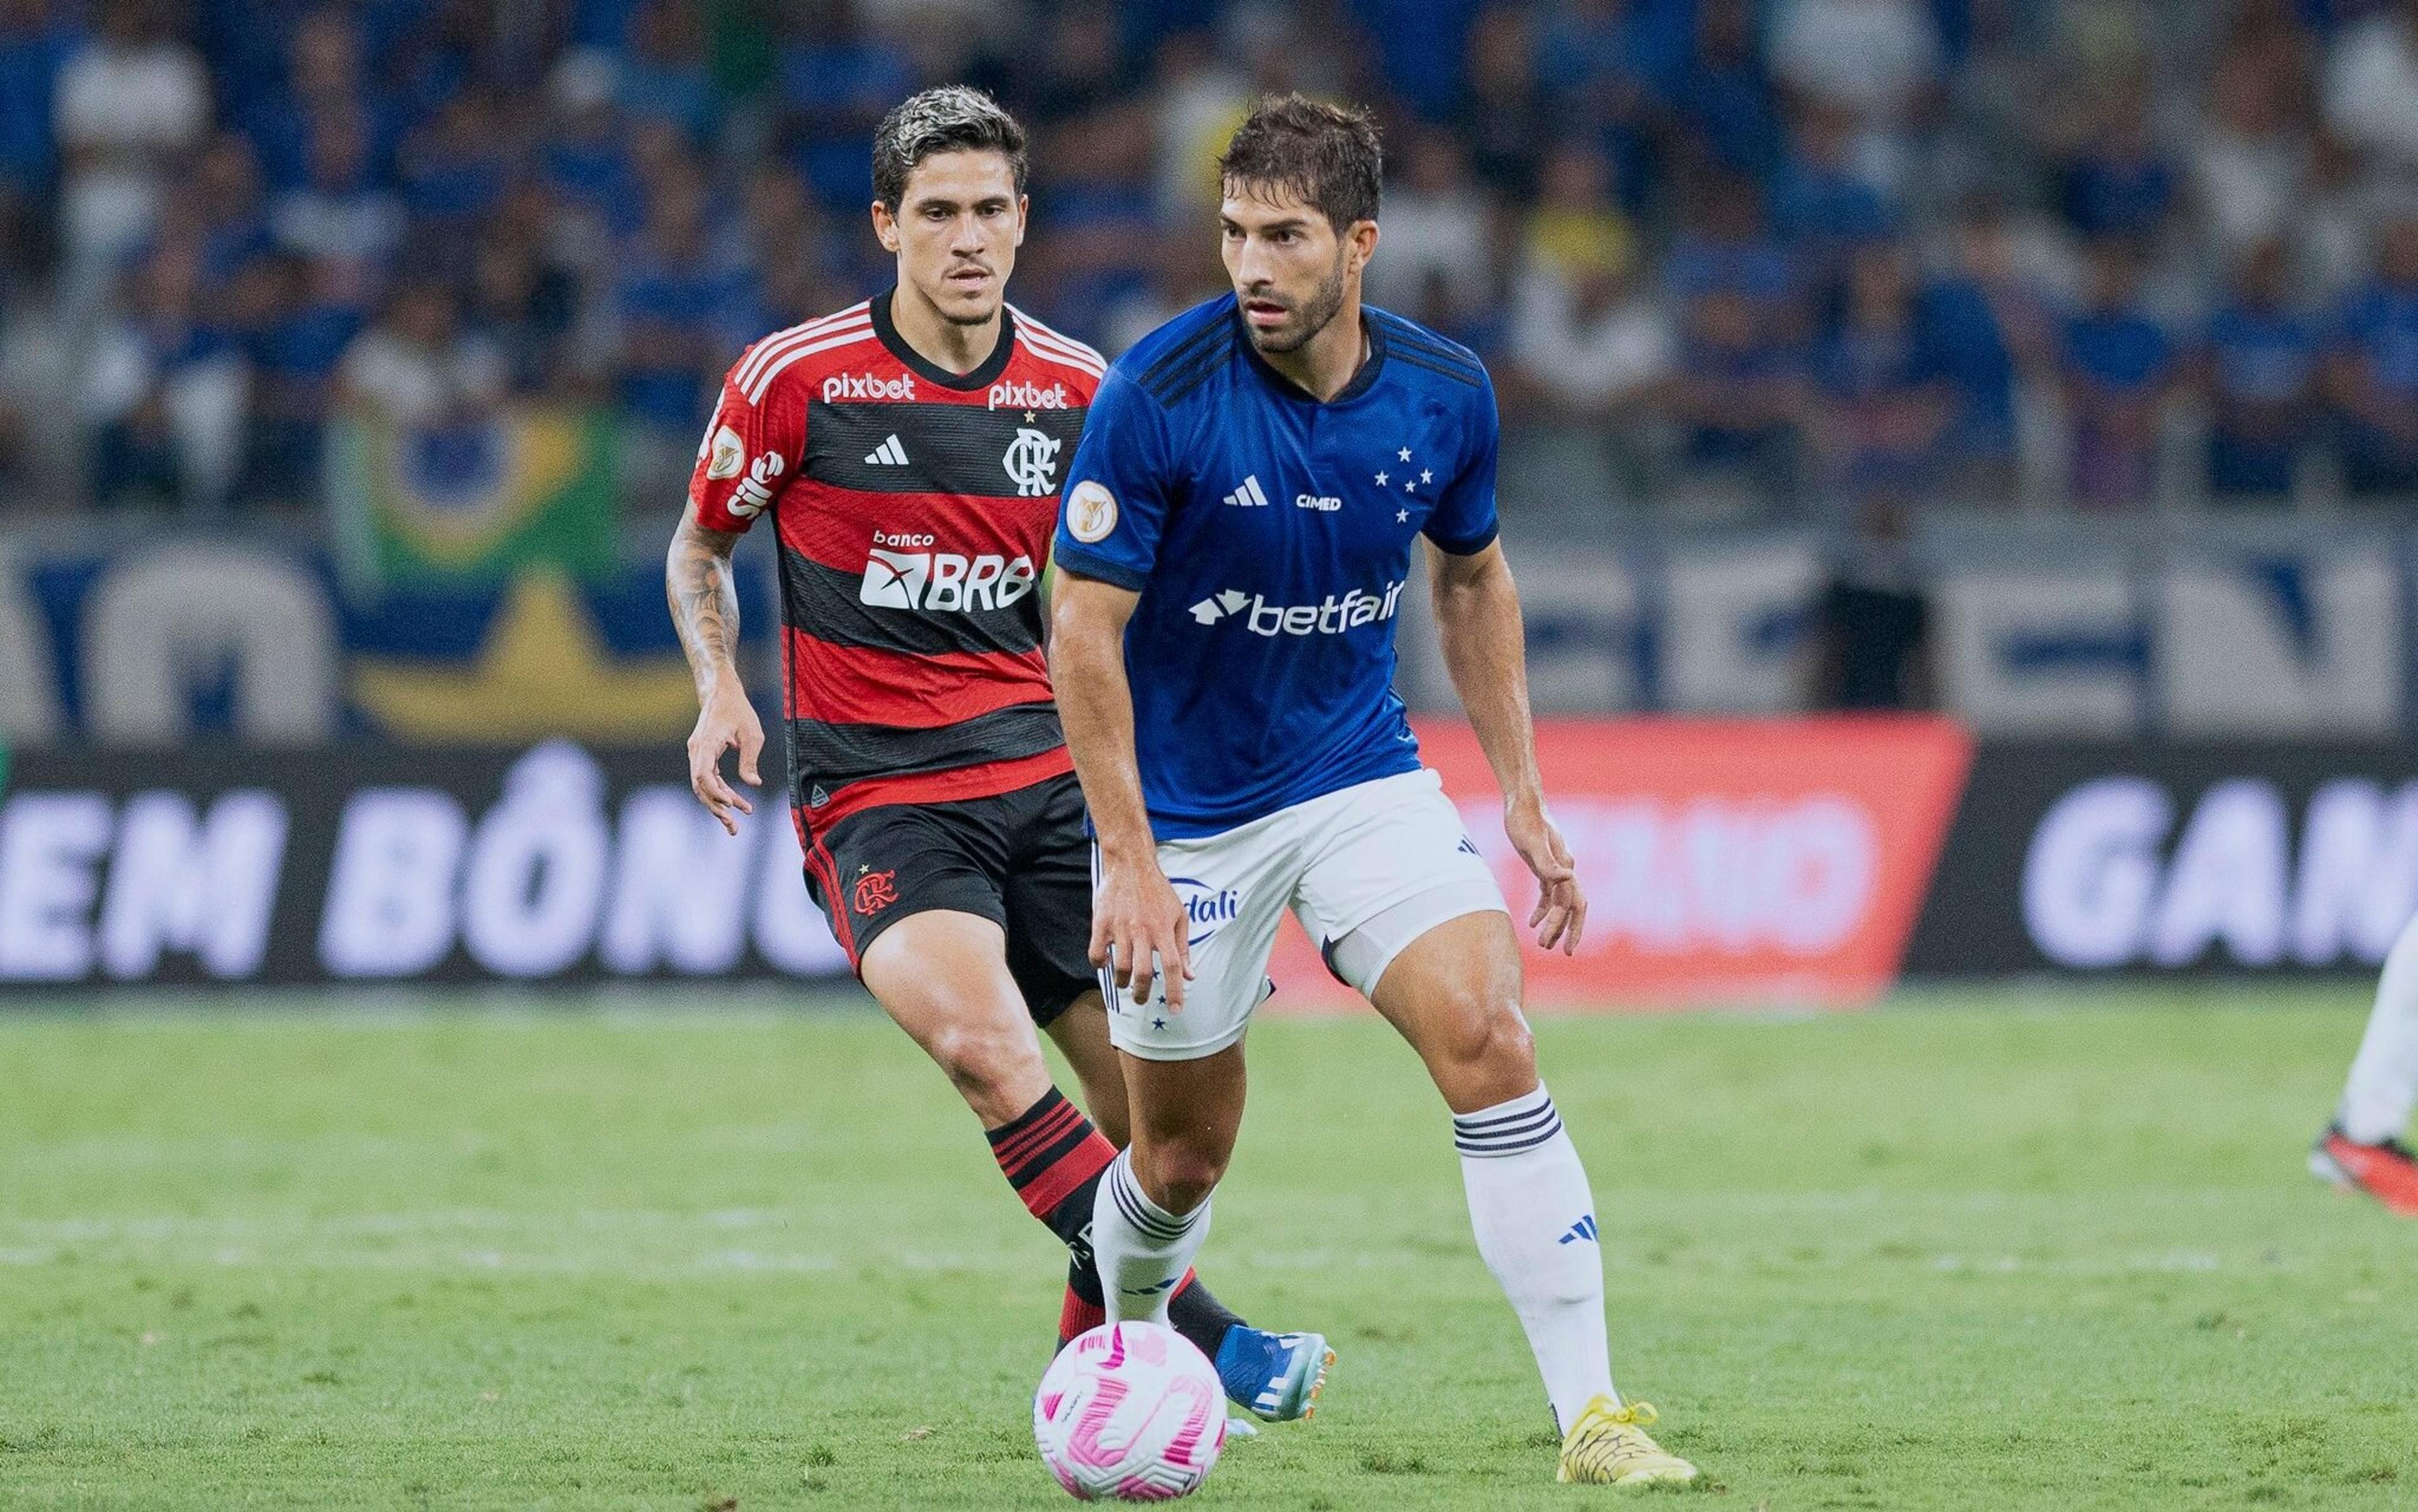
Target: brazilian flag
x,y
475,500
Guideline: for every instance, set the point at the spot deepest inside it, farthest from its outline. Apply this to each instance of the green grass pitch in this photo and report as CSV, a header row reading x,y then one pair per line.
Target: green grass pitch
x,y
1997,1250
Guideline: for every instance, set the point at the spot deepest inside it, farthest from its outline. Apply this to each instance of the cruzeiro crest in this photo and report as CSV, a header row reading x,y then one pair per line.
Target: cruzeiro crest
x,y
1031,461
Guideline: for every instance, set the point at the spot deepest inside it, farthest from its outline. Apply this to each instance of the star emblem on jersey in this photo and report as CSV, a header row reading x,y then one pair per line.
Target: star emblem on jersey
x,y
1032,462
888,455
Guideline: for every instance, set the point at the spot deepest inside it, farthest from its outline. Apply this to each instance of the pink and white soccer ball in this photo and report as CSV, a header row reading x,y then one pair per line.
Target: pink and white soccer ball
x,y
1132,1412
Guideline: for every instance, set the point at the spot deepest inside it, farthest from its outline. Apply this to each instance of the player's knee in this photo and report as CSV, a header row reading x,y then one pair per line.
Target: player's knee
x,y
1180,1175
985,1064
1488,1049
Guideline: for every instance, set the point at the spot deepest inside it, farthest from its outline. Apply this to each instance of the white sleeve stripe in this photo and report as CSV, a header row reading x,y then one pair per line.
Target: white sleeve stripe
x,y
766,351
1044,334
1073,353
764,380
1064,361
782,339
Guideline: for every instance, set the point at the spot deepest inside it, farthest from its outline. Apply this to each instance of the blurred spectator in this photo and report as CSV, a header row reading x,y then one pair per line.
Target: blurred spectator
x,y
1436,227
584,158
1614,65
1503,113
323,80
1197,101
1585,335
2258,368
1077,68
1821,205
455,169
131,101
1727,249
837,81
35,44
2373,370
2120,184
298,319
417,368
2250,165
222,206
1982,325
340,219
1724,98
2118,370
1739,395
165,394
2372,85
683,315
1884,405
1576,222
1879,61
665,77
1873,625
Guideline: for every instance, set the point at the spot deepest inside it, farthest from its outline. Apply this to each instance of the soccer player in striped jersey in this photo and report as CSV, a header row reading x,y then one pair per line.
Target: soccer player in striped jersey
x,y
909,449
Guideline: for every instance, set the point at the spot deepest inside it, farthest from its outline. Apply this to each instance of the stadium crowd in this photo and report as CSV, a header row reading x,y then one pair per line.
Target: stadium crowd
x,y
2103,252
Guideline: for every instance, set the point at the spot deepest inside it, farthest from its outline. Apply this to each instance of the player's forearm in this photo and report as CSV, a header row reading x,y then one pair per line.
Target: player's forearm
x,y
1087,667
1485,650
704,594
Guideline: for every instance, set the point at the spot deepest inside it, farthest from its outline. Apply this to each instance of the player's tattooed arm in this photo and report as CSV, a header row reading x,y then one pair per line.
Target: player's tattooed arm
x,y
1485,649
1137,920
704,594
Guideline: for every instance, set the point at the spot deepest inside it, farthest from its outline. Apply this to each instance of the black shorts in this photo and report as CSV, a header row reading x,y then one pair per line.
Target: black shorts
x,y
1020,860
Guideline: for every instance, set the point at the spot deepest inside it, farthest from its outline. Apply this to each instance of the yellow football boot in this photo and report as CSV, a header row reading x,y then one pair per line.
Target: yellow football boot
x,y
1608,1445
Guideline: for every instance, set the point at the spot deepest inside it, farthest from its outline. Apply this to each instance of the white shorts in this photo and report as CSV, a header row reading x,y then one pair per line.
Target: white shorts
x,y
1367,869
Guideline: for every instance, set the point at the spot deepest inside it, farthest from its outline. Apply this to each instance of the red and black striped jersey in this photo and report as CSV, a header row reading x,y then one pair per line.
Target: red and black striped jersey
x,y
914,508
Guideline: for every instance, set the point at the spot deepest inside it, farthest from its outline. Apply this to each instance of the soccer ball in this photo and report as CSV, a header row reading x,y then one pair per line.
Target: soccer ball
x,y
1131,1412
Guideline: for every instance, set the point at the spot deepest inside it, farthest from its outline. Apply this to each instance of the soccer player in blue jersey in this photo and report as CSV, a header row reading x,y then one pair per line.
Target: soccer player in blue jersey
x,y
1237,533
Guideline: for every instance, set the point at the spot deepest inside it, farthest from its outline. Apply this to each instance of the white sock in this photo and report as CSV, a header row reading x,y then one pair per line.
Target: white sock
x,y
1534,1219
1142,1249
2375,1101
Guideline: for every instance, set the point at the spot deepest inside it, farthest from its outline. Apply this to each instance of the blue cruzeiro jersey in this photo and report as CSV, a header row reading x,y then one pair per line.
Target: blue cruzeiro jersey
x,y
1269,536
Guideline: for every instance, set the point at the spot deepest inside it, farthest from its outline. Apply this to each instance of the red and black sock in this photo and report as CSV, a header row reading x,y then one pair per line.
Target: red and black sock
x,y
1053,1157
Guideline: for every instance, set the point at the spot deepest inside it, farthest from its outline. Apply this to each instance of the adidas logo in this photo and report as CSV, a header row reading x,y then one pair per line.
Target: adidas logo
x,y
1583,1228
1249,497
888,455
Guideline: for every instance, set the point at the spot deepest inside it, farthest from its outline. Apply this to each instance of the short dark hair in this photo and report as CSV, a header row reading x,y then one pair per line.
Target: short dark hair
x,y
952,119
1326,154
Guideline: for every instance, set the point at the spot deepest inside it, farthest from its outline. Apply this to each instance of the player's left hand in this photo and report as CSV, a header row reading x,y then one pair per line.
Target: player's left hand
x,y
1561,903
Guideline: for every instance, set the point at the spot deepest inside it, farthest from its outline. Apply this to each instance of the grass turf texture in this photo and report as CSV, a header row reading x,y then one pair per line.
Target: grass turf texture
x,y
1975,1250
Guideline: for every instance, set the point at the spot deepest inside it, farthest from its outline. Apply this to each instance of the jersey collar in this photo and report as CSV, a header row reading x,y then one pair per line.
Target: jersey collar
x,y
1361,382
981,377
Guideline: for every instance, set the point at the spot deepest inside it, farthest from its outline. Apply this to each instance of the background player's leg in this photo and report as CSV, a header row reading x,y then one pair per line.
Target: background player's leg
x,y
943,975
1081,1035
2383,1084
1152,1210
1454,993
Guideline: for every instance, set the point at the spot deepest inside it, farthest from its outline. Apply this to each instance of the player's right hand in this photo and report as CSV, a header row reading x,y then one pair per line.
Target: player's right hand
x,y
727,719
1139,930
